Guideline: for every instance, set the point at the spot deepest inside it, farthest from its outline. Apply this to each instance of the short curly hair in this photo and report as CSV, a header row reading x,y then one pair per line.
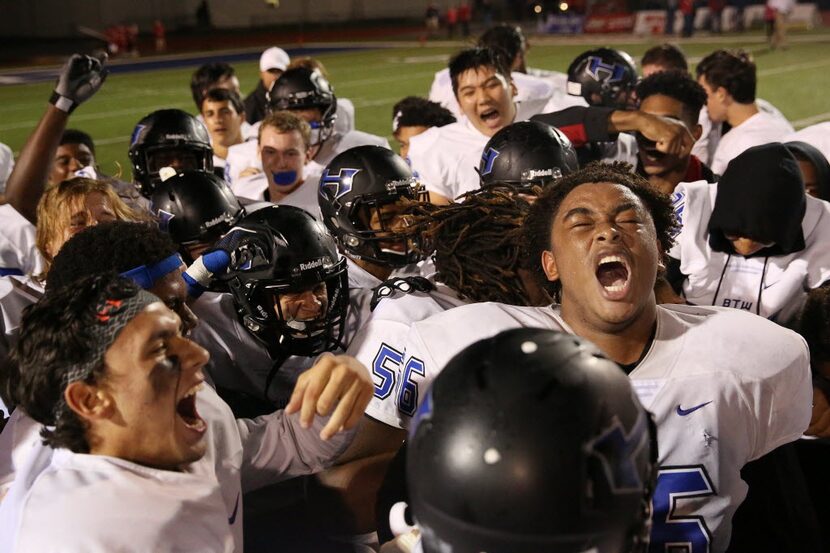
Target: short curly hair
x,y
116,246
538,224
678,85
414,111
814,325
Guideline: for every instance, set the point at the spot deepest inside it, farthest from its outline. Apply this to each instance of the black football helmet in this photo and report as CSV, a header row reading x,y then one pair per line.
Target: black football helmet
x,y
303,88
526,153
531,441
283,250
604,77
354,188
195,207
168,137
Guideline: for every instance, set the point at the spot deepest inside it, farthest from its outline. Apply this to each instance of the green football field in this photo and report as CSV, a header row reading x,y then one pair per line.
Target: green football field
x,y
796,80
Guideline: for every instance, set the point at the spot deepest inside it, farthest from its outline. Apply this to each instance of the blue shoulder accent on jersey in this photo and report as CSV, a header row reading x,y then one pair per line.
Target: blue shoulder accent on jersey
x,y
678,203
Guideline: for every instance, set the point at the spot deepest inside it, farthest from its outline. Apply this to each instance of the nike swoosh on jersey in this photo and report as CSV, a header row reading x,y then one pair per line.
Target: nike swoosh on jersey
x,y
683,412
232,518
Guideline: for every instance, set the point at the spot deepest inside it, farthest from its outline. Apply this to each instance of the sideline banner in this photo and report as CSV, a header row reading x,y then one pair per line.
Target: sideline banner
x,y
609,23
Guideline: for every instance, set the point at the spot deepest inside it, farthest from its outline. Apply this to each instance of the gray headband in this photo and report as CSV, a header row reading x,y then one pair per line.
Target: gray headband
x,y
111,315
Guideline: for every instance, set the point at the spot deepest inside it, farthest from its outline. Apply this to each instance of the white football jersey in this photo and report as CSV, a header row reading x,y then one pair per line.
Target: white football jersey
x,y
16,293
534,92
253,187
93,503
339,143
772,287
725,388
446,158
18,252
345,116
761,128
242,455
817,136
380,343
6,165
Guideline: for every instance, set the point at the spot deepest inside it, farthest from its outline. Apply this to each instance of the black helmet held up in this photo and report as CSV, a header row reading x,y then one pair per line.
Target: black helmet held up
x,y
303,88
284,250
195,207
168,137
604,77
526,153
531,441
354,188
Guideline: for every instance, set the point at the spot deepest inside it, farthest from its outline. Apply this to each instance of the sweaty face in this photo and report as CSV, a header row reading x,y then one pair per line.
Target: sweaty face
x,y
715,101
172,290
152,376
79,214
68,159
404,134
654,162
604,252
223,122
486,98
283,157
389,218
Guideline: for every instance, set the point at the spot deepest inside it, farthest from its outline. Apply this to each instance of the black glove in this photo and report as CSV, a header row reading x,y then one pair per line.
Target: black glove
x,y
80,78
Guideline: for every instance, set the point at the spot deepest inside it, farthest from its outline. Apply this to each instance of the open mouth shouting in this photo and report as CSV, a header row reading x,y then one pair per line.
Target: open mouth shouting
x,y
614,276
491,117
186,411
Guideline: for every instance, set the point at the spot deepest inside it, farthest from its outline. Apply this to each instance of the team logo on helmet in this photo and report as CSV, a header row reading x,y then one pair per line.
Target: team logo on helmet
x,y
601,71
618,451
136,133
487,159
334,186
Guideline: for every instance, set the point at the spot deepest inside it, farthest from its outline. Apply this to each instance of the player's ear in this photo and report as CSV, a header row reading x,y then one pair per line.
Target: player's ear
x,y
549,266
697,132
88,401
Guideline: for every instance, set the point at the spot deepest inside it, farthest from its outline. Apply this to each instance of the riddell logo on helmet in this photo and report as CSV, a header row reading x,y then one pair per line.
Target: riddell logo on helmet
x,y
218,220
176,137
315,264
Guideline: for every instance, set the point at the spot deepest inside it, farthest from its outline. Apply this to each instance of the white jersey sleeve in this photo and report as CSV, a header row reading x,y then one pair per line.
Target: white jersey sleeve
x,y
241,157
345,121
18,253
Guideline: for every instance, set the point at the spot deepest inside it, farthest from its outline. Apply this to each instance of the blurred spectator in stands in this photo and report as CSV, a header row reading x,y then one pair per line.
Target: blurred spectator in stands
x,y
780,12
688,9
432,19
465,15
671,9
715,15
159,34
272,63
452,20
485,9
132,39
203,14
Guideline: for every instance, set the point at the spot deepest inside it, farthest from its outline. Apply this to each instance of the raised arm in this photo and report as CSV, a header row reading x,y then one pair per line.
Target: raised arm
x,y
80,77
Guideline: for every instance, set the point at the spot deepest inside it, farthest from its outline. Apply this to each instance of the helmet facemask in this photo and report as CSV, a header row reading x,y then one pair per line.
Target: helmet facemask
x,y
377,221
182,157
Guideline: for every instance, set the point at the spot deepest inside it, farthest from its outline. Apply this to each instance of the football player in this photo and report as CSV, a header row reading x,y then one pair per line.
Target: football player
x,y
289,177
525,154
223,115
414,115
140,428
272,63
196,209
446,158
755,241
729,80
597,238
168,138
309,95
579,478
815,169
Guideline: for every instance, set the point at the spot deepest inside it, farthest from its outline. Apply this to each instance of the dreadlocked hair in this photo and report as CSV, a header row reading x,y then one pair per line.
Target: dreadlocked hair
x,y
476,243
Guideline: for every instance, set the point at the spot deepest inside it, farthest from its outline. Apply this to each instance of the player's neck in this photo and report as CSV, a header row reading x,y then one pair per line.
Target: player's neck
x,y
624,343
667,181
276,195
738,113
378,271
